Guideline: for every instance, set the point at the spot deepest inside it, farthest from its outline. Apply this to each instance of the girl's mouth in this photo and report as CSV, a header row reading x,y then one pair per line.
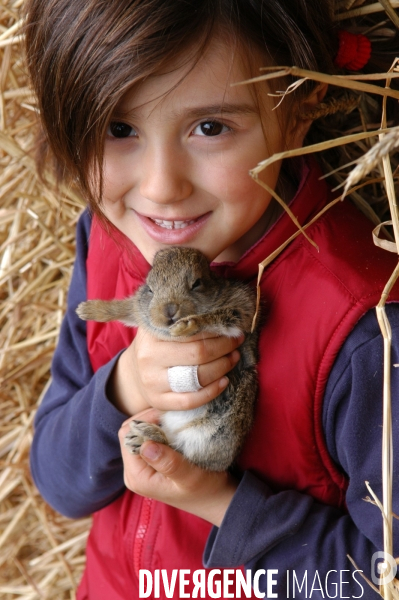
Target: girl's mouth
x,y
173,224
178,231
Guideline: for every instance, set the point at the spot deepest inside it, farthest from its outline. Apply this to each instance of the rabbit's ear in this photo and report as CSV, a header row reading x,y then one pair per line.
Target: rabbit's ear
x,y
89,311
129,322
108,310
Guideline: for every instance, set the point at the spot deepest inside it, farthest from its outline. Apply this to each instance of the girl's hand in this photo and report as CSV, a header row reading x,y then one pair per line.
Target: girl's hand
x,y
164,474
140,378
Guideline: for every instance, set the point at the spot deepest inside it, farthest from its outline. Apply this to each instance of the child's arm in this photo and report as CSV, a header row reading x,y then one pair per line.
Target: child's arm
x,y
75,455
289,531
166,475
140,378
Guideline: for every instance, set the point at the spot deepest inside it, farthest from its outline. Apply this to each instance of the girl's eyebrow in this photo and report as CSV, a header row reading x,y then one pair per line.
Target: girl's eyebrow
x,y
220,109
197,112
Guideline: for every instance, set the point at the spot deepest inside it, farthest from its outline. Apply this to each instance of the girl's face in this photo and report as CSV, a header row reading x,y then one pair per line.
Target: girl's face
x,y
177,160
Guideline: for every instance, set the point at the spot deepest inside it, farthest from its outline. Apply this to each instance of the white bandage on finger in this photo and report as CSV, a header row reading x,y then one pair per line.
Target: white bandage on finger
x,y
184,379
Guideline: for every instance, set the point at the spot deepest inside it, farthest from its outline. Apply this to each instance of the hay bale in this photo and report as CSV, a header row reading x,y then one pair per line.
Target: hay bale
x,y
41,553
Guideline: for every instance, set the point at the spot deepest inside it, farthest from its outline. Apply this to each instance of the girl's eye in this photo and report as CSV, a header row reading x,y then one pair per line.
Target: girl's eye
x,y
120,130
210,128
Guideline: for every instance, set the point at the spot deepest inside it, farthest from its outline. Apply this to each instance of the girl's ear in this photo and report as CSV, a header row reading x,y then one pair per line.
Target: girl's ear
x,y
301,123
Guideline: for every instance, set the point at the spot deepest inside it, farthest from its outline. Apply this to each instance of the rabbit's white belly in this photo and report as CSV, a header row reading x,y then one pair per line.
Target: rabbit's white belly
x,y
227,330
191,439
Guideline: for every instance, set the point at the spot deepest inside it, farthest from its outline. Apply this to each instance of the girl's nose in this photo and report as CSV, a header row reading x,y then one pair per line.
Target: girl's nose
x,y
163,177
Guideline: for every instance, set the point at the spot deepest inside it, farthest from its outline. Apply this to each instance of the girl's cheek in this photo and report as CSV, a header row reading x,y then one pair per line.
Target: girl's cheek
x,y
116,182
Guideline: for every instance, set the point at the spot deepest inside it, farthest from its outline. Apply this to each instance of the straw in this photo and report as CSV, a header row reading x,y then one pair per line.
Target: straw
x,y
376,157
42,554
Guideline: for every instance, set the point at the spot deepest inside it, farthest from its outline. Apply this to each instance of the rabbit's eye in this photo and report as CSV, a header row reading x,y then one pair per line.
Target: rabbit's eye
x,y
149,290
196,284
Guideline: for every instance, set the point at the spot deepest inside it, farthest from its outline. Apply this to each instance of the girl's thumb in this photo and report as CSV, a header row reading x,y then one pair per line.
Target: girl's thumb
x,y
163,459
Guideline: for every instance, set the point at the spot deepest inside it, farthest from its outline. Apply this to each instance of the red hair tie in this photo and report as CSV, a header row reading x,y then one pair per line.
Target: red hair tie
x,y
354,51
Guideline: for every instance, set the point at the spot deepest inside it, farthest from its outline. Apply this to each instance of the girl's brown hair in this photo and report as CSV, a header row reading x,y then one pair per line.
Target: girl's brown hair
x,y
83,55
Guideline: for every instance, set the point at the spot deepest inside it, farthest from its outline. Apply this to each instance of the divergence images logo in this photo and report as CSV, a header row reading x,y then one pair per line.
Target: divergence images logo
x,y
387,565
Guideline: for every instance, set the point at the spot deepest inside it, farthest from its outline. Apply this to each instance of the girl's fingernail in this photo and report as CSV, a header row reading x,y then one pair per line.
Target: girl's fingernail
x,y
223,382
151,451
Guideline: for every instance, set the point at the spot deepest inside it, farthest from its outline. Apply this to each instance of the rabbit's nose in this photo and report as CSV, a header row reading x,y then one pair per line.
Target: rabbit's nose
x,y
170,311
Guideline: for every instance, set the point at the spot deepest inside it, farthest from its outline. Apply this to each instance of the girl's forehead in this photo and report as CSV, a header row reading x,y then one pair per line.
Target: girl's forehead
x,y
196,85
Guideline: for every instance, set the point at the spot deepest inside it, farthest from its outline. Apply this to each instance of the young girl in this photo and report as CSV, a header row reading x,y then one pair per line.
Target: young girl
x,y
138,110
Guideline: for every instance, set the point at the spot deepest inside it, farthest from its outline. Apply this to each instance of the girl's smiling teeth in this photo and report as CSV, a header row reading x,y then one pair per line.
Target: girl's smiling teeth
x,y
172,224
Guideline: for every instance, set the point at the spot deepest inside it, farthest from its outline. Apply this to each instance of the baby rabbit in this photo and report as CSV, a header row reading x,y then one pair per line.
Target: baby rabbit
x,y
180,298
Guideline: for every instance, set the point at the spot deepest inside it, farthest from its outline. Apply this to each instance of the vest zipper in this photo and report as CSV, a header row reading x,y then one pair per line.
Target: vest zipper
x,y
146,511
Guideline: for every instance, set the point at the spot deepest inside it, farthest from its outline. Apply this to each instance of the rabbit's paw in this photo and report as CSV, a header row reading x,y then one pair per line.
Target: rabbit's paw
x,y
141,432
185,326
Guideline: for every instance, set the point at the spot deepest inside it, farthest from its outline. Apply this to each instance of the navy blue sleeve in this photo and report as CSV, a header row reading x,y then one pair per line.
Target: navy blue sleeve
x,y
289,531
75,456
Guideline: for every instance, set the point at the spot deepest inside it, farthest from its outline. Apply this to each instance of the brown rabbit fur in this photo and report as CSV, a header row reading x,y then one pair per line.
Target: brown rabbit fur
x,y
182,297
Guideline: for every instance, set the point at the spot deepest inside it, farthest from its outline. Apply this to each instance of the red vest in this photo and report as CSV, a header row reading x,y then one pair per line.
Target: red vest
x,y
311,301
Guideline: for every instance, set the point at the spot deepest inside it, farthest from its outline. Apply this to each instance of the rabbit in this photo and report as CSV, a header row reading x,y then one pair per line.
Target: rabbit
x,y
182,296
